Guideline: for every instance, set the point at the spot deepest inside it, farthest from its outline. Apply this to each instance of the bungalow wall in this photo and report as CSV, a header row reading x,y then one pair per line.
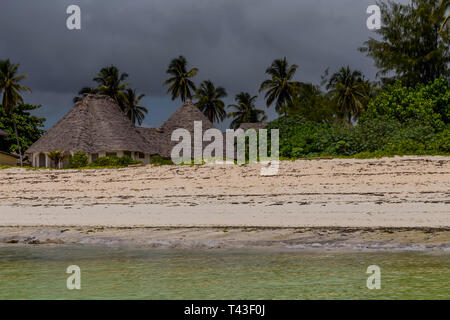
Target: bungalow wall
x,y
40,160
7,160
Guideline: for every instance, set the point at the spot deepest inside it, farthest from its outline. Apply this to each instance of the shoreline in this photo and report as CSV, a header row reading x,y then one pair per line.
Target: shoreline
x,y
269,238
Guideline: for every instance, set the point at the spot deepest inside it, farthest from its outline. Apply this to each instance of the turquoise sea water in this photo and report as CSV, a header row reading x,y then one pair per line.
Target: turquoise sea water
x,y
131,273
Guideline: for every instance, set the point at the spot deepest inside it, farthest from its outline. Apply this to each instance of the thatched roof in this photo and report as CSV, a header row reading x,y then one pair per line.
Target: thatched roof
x,y
184,118
154,138
10,154
255,125
3,133
94,124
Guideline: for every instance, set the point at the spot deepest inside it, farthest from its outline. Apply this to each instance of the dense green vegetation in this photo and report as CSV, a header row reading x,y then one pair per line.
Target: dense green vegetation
x,y
399,121
407,113
78,160
29,128
160,161
245,110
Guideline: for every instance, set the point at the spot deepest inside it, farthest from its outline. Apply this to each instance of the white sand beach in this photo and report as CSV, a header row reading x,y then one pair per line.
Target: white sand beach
x,y
400,192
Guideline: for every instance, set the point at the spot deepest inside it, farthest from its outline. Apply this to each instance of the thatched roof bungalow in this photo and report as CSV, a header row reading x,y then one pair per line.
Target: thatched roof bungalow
x,y
183,118
95,125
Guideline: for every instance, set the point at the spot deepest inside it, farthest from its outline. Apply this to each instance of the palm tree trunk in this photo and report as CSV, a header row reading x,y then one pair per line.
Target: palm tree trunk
x,y
17,139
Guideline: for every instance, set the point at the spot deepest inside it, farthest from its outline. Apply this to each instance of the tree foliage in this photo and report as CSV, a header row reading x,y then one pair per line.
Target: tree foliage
x,y
180,83
401,120
312,104
29,128
411,48
210,101
11,89
280,88
429,104
134,111
350,92
245,111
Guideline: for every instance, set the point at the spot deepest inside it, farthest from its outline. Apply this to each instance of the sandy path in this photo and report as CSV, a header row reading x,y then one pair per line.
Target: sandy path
x,y
389,192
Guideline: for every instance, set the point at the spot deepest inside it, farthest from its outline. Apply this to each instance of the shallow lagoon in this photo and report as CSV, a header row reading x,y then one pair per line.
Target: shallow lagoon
x,y
137,273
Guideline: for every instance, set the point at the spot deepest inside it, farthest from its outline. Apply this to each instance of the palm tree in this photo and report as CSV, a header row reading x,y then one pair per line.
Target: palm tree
x,y
280,87
109,81
11,88
445,4
245,110
133,110
444,23
350,91
83,91
180,84
209,101
57,157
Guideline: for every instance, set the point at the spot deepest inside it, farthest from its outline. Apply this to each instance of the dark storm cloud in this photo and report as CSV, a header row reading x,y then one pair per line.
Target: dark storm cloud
x,y
231,41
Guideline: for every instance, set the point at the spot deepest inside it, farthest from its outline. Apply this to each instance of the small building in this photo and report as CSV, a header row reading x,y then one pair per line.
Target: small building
x,y
95,125
6,158
160,139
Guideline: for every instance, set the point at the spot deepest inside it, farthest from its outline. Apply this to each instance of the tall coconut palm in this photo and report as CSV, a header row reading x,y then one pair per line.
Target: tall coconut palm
x,y
280,87
10,87
350,91
179,83
110,83
209,101
245,110
134,111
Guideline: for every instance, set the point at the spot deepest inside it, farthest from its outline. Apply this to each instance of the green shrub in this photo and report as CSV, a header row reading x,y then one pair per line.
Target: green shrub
x,y
300,137
113,161
369,138
78,160
428,104
159,161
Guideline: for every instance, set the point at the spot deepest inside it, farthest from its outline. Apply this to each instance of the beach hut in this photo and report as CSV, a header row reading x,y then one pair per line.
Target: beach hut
x,y
95,125
6,158
183,118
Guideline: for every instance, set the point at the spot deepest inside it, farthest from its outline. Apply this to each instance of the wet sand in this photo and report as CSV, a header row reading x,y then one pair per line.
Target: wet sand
x,y
235,238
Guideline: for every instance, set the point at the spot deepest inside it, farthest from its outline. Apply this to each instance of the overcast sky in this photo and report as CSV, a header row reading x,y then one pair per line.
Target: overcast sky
x,y
232,42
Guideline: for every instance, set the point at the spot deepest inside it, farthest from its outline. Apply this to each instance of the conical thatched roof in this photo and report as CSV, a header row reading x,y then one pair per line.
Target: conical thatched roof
x,y
184,118
95,124
154,138
3,133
